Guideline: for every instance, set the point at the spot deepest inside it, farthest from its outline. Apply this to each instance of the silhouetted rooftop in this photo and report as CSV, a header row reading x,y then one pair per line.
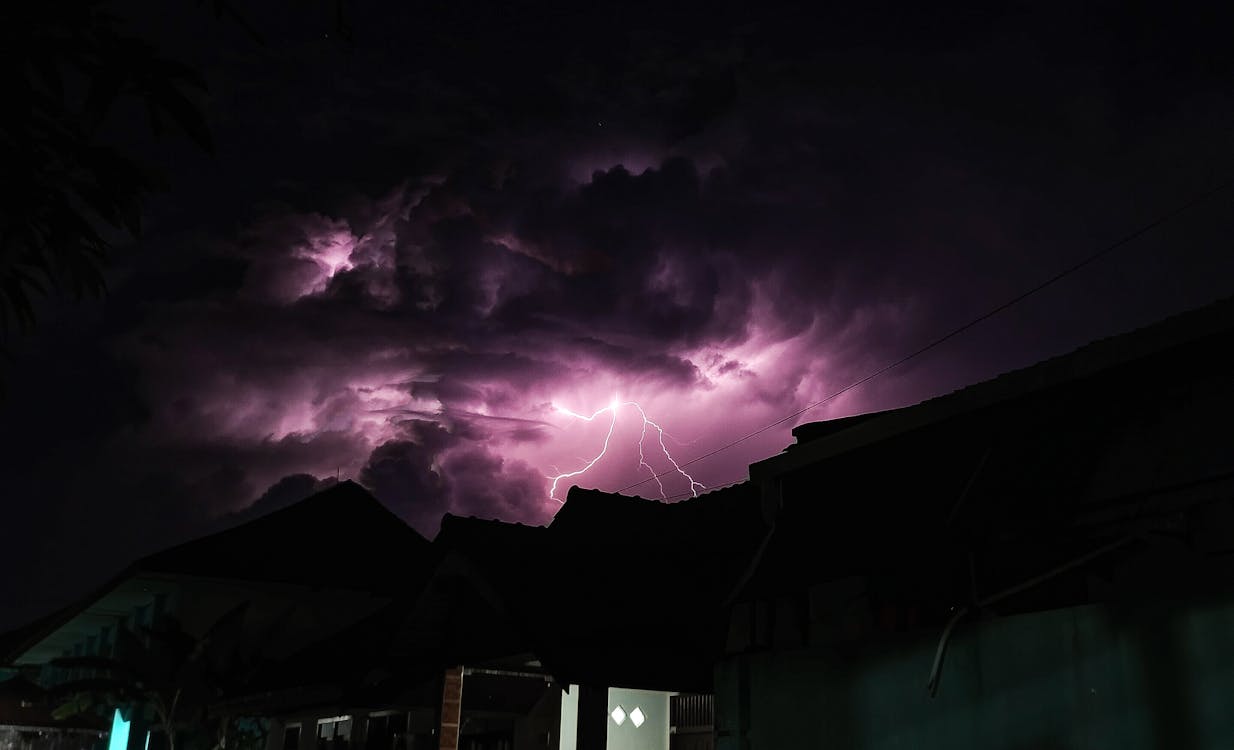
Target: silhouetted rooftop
x,y
340,537
818,440
1022,473
619,590
594,516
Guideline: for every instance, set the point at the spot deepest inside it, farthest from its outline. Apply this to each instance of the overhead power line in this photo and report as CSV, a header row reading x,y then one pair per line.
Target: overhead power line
x,y
1086,261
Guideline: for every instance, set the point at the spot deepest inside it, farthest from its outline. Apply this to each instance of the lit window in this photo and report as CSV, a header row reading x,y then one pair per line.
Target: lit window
x,y
619,715
637,717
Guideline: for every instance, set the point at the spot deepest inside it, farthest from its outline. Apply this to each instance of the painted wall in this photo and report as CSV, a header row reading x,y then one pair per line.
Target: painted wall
x,y
652,734
569,720
1080,678
539,729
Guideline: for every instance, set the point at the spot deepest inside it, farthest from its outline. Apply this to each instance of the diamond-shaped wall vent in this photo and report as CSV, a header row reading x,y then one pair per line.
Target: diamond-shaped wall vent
x,y
619,715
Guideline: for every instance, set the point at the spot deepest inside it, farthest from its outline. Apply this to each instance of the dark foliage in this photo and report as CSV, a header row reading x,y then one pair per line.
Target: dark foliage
x,y
68,194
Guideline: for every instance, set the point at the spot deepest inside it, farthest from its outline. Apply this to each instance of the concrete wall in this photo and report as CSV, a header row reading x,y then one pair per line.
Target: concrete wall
x,y
1086,677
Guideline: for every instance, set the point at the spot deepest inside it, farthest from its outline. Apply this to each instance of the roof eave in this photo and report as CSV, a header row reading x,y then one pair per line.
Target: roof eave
x,y
1085,362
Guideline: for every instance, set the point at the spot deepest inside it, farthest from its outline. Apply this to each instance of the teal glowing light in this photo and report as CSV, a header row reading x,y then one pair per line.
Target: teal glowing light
x,y
119,733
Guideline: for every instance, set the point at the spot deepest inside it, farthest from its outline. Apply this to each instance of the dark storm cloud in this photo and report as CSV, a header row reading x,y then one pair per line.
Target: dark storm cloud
x,y
403,475
419,478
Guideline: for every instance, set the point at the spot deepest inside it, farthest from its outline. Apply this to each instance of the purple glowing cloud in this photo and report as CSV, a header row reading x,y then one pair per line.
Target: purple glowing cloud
x,y
476,315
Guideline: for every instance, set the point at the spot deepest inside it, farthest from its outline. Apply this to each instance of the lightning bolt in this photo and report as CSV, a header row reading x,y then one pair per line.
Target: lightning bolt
x,y
612,409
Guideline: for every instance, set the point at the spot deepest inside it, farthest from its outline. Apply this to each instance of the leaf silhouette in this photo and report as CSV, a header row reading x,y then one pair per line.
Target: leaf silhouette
x,y
63,189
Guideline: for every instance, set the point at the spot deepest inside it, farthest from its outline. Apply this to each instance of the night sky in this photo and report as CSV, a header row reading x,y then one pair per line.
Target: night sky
x,y
411,248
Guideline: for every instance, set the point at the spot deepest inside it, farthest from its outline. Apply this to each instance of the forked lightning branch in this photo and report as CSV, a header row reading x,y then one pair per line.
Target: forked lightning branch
x,y
612,410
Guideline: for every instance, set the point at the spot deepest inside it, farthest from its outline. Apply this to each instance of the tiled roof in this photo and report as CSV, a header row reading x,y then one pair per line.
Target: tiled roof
x,y
15,640
593,516
340,537
817,441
